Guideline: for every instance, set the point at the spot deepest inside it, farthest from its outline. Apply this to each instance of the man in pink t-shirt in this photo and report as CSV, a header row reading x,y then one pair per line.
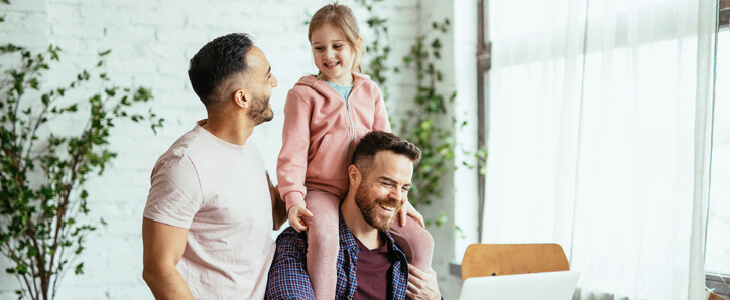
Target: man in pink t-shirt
x,y
208,219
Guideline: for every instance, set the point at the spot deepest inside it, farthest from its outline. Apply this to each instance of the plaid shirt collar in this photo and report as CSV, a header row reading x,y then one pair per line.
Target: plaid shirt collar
x,y
347,260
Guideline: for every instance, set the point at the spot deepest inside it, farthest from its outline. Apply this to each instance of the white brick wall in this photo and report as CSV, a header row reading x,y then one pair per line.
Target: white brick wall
x,y
152,42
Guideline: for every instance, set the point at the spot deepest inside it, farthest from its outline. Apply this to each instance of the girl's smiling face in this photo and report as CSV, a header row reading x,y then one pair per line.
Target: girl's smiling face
x,y
333,56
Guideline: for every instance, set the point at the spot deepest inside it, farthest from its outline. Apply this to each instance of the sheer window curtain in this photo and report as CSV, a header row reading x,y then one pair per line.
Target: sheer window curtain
x,y
598,138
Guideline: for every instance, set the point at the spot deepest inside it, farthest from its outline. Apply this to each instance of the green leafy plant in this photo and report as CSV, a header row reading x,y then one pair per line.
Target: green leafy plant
x,y
377,48
428,124
44,211
420,125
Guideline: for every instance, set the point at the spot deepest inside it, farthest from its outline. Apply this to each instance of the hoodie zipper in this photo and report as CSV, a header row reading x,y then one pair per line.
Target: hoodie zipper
x,y
352,124
349,116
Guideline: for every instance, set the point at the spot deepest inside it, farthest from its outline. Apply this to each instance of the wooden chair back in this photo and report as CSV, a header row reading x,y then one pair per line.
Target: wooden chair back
x,y
505,259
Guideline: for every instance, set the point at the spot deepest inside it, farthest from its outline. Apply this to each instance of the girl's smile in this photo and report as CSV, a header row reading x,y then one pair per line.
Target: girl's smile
x,y
333,56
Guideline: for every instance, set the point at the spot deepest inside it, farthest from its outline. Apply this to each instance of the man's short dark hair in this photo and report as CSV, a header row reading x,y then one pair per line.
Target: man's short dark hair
x,y
216,62
377,141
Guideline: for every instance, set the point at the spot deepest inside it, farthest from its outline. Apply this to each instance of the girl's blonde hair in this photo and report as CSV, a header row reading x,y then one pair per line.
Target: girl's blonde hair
x,y
342,18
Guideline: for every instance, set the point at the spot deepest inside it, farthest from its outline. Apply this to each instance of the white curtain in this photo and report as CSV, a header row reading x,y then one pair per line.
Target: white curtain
x,y
596,109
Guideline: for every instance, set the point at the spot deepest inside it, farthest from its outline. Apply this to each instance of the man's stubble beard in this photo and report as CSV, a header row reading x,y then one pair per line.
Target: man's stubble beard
x,y
260,110
370,209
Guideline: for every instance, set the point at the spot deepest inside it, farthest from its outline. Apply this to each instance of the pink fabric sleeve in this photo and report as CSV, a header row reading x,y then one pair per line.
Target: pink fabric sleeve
x,y
380,120
291,170
175,196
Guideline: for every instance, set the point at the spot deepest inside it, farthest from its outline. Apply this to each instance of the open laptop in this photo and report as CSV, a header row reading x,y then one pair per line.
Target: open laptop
x,y
531,286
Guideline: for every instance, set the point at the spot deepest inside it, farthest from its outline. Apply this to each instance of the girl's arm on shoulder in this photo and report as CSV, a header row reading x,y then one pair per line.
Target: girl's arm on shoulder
x,y
291,167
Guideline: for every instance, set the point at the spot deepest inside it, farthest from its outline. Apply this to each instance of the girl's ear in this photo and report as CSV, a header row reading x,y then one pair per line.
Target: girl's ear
x,y
359,42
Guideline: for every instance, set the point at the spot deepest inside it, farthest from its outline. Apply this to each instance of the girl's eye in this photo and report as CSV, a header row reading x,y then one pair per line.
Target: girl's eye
x,y
337,46
318,48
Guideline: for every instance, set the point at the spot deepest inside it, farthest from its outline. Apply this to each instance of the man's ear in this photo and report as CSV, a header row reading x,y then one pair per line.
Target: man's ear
x,y
355,176
242,98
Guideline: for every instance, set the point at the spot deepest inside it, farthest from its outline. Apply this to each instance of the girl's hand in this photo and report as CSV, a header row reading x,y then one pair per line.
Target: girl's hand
x,y
408,209
295,217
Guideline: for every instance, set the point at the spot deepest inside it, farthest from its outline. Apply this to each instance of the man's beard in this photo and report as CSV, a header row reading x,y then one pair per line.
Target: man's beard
x,y
371,210
260,110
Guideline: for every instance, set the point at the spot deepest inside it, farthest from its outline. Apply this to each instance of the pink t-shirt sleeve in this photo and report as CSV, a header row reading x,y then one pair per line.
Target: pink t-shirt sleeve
x,y
175,195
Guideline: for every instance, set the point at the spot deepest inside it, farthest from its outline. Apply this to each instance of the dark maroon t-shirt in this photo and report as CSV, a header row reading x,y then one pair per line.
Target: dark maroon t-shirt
x,y
374,271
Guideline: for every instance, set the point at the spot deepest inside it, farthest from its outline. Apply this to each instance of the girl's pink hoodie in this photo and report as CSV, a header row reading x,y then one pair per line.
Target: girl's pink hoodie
x,y
320,133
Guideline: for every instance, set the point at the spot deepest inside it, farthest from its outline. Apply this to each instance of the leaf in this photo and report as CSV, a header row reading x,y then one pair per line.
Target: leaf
x,y
45,99
33,83
79,269
32,251
53,51
142,94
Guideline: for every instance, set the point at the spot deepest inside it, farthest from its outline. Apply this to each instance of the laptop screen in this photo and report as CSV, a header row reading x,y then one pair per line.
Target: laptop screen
x,y
546,286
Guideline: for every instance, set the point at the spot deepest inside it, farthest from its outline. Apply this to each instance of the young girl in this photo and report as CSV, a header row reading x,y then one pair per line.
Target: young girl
x,y
325,117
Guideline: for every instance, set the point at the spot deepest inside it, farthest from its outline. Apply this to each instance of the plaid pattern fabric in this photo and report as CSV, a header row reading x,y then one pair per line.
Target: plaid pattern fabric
x,y
288,278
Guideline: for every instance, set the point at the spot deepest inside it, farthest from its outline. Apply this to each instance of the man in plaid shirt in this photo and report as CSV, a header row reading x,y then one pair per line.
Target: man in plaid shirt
x,y
369,265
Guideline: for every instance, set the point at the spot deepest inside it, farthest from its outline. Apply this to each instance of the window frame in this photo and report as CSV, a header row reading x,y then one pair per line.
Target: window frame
x,y
719,282
723,7
484,64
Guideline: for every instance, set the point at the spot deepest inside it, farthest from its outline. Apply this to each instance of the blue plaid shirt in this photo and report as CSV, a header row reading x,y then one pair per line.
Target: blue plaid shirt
x,y
288,278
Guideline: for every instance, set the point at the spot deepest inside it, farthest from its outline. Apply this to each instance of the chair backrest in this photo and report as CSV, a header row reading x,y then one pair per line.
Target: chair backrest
x,y
505,259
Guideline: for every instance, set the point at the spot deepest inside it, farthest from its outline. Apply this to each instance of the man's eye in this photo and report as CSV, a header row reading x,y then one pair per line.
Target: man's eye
x,y
406,189
387,184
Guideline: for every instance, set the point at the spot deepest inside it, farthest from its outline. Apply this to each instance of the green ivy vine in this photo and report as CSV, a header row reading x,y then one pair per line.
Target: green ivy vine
x,y
427,124
378,49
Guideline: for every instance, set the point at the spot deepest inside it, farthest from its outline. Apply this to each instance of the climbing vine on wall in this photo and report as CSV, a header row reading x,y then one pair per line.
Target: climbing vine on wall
x,y
378,48
427,123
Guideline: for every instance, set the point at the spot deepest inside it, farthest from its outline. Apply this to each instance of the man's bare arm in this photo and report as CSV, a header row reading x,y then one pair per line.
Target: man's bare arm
x,y
163,248
278,207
